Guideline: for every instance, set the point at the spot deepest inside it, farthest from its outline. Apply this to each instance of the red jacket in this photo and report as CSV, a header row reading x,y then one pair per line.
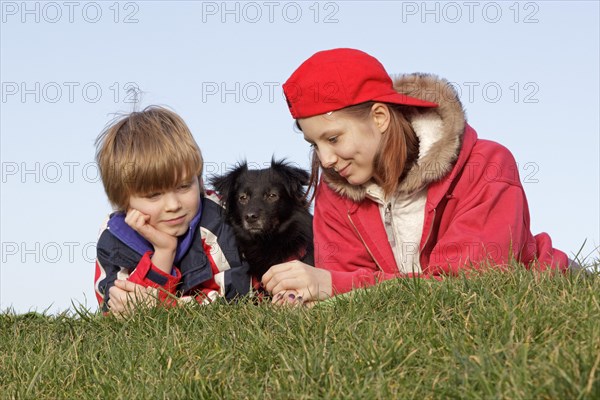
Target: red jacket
x,y
476,211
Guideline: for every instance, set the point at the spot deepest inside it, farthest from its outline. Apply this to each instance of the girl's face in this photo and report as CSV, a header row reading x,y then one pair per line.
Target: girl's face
x,y
344,143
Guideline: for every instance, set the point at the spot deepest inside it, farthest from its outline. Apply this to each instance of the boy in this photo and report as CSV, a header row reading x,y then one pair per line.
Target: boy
x,y
167,235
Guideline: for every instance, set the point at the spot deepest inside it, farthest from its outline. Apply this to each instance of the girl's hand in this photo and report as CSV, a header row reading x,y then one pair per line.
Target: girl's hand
x,y
125,296
306,282
287,297
159,240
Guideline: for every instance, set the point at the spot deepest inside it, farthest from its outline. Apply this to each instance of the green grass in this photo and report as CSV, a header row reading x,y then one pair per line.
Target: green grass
x,y
498,335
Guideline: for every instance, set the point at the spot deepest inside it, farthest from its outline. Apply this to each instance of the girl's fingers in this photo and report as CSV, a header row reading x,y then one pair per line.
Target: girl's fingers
x,y
273,278
311,283
287,283
288,297
276,269
281,282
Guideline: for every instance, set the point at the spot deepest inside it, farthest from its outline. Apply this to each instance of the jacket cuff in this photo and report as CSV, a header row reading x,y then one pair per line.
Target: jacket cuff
x,y
341,282
345,281
149,275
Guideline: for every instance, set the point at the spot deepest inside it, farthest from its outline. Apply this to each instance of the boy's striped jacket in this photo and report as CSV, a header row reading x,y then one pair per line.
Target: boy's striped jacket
x,y
211,268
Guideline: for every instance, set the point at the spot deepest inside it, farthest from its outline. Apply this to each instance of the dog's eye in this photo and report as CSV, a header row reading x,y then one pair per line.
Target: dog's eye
x,y
243,197
272,196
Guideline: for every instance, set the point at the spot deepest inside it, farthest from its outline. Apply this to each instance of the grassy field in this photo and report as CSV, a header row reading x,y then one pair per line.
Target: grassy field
x,y
498,335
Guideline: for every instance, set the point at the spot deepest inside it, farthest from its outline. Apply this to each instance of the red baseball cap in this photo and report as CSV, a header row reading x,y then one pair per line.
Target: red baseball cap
x,y
334,79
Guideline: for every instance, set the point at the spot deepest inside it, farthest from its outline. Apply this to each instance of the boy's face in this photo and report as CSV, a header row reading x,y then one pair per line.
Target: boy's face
x,y
171,211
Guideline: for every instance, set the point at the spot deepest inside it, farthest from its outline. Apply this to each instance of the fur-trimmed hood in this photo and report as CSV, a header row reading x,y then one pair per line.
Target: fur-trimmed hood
x,y
439,130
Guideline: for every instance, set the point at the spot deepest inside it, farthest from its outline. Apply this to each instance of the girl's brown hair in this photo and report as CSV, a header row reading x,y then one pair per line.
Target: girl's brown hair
x,y
147,151
398,149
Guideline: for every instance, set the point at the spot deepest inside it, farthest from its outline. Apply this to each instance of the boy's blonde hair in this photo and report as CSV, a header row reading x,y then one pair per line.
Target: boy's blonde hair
x,y
147,151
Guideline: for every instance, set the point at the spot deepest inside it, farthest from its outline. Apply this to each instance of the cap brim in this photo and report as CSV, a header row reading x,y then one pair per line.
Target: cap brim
x,y
398,98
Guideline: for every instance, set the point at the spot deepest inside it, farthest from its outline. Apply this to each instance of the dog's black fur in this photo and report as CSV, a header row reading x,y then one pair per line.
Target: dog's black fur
x,y
268,211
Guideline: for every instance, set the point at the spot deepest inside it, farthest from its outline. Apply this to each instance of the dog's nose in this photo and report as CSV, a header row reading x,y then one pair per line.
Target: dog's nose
x,y
251,217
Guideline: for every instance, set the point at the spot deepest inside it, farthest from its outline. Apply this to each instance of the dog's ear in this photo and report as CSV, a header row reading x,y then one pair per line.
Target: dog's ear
x,y
225,184
298,175
295,177
292,173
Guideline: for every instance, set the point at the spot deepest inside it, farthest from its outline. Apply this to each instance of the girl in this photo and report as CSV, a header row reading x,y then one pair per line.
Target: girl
x,y
406,186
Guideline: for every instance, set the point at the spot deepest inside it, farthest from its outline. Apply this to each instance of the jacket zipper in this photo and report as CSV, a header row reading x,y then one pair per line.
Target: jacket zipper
x,y
391,233
387,223
363,241
428,233
388,213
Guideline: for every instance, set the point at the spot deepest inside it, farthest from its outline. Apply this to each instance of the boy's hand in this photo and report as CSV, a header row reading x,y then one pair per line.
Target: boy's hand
x,y
165,245
139,222
125,296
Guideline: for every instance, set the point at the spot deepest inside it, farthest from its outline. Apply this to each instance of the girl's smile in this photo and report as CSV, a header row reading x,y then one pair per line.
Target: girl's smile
x,y
344,143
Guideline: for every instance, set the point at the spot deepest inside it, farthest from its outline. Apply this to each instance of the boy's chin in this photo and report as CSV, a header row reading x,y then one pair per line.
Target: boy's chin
x,y
175,231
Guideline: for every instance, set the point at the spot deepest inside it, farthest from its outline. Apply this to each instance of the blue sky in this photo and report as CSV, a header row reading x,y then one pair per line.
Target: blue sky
x,y
528,74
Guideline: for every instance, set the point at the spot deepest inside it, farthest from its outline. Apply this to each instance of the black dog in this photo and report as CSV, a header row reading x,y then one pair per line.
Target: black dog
x,y
268,211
